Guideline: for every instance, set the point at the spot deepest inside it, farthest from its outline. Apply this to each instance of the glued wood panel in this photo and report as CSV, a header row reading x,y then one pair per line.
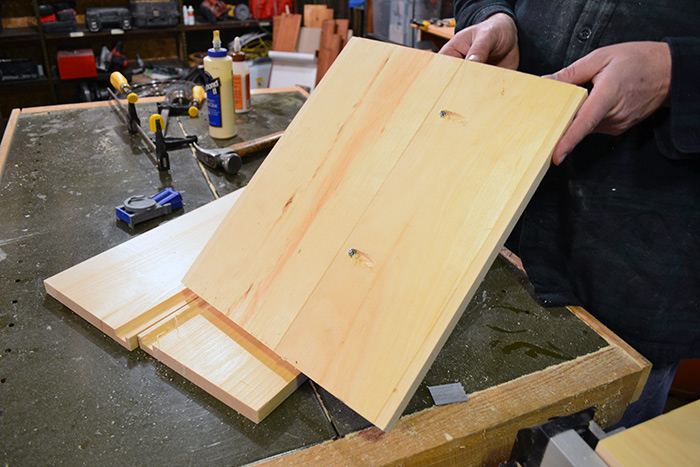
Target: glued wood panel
x,y
206,348
416,163
130,287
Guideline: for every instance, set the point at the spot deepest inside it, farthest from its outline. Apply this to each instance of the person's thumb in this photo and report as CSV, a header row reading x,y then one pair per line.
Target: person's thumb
x,y
480,49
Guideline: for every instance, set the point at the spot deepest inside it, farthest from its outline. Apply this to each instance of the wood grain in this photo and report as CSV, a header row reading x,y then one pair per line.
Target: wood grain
x,y
670,439
419,163
201,345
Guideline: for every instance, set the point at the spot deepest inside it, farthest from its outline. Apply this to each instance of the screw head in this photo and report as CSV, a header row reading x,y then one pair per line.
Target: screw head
x,y
351,252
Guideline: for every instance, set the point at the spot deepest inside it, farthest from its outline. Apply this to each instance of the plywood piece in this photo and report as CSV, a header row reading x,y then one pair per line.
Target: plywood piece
x,y
200,344
130,287
419,164
314,15
285,32
670,439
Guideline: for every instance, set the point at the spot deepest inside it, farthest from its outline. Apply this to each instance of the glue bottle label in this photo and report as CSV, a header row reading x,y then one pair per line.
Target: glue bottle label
x,y
212,87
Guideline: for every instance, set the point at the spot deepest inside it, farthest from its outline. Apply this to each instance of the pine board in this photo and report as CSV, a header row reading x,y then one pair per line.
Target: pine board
x,y
221,358
133,293
132,286
670,439
420,163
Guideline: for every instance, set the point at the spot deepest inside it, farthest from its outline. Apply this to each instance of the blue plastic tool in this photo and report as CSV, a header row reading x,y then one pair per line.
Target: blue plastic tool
x,y
137,209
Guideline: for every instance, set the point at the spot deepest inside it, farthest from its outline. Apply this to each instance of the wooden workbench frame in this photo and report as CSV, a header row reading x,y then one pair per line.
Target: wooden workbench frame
x,y
482,430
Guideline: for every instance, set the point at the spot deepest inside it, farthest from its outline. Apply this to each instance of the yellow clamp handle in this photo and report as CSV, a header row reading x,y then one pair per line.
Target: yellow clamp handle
x,y
156,118
122,85
197,99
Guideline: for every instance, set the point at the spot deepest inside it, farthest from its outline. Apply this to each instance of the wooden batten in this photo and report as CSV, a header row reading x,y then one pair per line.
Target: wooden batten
x,y
206,348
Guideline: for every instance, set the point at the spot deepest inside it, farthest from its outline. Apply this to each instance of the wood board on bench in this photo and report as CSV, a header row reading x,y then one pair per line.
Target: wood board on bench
x,y
361,238
133,293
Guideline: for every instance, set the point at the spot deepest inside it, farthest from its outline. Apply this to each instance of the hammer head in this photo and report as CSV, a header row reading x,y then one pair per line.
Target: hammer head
x,y
219,157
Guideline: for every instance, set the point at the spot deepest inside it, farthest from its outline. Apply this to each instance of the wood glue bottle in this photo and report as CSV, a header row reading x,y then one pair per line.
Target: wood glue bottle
x,y
241,78
219,87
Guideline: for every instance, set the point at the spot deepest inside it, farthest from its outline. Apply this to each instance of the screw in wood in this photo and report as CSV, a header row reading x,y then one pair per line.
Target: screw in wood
x,y
442,113
351,252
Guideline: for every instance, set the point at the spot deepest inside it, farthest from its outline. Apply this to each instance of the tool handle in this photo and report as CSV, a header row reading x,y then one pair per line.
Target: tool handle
x,y
197,98
120,83
258,144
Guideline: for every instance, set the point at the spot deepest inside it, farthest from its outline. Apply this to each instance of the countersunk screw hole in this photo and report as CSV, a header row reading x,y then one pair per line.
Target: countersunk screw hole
x,y
11,325
18,280
2,381
14,301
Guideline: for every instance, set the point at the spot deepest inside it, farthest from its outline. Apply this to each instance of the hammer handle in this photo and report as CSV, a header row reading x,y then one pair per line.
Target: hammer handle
x,y
254,145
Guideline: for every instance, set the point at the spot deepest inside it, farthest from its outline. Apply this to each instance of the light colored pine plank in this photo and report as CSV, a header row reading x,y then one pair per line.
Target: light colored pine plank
x,y
332,160
426,198
133,294
670,439
221,358
130,287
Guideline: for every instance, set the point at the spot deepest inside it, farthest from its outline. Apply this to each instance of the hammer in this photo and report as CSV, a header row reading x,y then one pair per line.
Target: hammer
x,y
230,158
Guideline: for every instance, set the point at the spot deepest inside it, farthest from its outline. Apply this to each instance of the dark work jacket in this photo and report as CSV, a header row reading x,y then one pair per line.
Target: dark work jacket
x,y
616,227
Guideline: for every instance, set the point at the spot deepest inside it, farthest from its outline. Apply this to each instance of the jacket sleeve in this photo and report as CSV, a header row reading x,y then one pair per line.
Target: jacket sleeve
x,y
469,12
678,135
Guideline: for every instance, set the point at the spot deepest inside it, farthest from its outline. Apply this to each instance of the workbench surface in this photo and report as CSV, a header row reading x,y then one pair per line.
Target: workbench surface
x,y
69,394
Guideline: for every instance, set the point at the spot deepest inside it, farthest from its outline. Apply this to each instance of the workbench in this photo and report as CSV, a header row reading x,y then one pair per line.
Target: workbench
x,y
70,394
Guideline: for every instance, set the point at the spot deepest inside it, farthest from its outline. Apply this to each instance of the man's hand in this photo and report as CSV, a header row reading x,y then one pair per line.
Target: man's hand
x,y
630,81
493,41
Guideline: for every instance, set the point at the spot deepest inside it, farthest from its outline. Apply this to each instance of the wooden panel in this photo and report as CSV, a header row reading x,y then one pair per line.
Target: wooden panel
x,y
221,358
671,439
421,167
130,287
285,31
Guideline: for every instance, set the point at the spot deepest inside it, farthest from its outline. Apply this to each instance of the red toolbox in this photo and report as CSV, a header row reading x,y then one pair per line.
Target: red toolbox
x,y
78,63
